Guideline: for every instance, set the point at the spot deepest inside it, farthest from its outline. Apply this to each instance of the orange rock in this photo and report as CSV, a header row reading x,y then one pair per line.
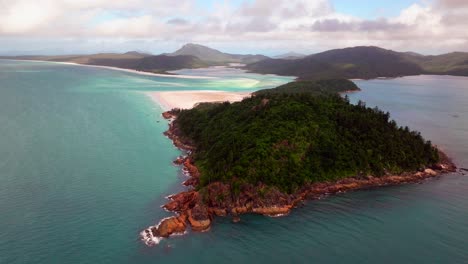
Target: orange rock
x,y
430,172
181,201
170,226
168,115
219,211
199,218
192,169
273,210
179,161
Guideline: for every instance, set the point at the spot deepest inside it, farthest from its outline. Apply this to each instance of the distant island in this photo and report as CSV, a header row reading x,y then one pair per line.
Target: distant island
x,y
350,63
364,63
189,56
280,146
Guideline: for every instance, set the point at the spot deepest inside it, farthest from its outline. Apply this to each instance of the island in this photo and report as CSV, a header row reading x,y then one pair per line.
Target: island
x,y
361,62
271,151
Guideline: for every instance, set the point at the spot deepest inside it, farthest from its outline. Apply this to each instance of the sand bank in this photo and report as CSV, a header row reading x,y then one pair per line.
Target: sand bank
x,y
188,99
142,72
124,70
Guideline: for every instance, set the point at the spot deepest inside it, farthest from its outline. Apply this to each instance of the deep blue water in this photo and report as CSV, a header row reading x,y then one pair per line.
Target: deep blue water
x,y
84,167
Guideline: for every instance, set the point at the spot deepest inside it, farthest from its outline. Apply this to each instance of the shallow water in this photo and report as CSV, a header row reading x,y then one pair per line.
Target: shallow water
x,y
84,167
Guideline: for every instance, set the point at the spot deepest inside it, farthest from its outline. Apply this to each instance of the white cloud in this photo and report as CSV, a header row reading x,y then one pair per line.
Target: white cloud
x,y
126,27
302,25
25,16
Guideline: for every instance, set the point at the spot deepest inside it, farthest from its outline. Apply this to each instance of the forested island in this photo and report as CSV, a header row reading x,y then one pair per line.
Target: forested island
x,y
268,153
364,62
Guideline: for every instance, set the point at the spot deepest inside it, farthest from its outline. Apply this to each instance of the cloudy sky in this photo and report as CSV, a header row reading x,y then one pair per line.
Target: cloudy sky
x,y
241,26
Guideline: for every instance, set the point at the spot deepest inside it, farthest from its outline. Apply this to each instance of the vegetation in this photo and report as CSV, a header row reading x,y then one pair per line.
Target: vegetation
x,y
349,63
455,63
215,56
286,139
169,63
319,87
364,63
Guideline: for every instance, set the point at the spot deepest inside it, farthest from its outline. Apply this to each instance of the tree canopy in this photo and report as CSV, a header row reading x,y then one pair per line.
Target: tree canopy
x,y
287,139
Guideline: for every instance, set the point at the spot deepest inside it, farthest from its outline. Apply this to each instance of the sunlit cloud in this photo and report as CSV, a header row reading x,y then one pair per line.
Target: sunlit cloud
x,y
268,26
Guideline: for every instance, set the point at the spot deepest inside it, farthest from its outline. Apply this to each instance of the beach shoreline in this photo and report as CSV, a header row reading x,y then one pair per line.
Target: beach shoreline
x,y
189,98
124,70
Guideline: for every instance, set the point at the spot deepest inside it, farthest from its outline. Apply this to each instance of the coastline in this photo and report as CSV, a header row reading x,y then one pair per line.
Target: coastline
x,y
197,209
189,98
123,70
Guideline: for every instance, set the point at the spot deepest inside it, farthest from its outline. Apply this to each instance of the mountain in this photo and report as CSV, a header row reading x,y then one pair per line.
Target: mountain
x,y
162,63
137,53
415,54
215,56
357,62
290,56
364,63
361,62
455,63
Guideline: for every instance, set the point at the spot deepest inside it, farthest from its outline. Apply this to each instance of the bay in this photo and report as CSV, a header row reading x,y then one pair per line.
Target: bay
x,y
84,167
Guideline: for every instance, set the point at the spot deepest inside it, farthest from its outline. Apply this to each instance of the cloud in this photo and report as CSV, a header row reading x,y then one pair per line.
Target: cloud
x,y
126,27
336,25
452,3
25,16
177,21
254,25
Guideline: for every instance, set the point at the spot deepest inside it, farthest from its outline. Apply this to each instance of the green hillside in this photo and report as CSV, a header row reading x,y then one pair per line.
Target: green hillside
x,y
364,63
286,139
215,56
320,87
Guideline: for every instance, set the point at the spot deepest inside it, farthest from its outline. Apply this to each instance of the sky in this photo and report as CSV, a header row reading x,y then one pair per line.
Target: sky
x,y
270,27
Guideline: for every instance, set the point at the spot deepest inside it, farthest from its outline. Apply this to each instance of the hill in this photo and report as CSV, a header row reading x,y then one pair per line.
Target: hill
x,y
455,63
290,56
269,152
319,87
215,56
350,63
286,139
189,56
162,63
364,63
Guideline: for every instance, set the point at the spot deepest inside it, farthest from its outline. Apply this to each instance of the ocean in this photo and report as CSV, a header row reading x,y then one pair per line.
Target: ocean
x,y
84,167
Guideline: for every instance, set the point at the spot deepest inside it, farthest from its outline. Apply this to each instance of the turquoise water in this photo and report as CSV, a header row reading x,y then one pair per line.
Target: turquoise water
x,y
84,168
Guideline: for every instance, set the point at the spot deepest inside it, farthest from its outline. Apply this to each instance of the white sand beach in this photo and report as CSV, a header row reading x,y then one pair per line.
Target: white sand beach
x,y
188,99
124,70
141,72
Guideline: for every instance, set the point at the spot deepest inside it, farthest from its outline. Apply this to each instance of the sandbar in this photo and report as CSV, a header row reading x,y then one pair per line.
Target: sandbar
x,y
188,99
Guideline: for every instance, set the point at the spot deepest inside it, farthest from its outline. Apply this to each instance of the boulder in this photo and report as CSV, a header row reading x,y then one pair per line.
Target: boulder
x,y
199,218
171,225
181,201
430,172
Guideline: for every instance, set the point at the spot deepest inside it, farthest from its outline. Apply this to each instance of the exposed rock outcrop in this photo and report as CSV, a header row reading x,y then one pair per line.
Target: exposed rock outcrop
x,y
197,208
199,218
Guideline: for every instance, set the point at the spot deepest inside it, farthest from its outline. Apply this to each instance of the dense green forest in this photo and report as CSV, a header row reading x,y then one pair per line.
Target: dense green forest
x,y
287,139
320,87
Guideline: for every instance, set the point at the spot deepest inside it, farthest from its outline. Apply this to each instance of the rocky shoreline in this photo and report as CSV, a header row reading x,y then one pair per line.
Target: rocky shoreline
x,y
198,208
